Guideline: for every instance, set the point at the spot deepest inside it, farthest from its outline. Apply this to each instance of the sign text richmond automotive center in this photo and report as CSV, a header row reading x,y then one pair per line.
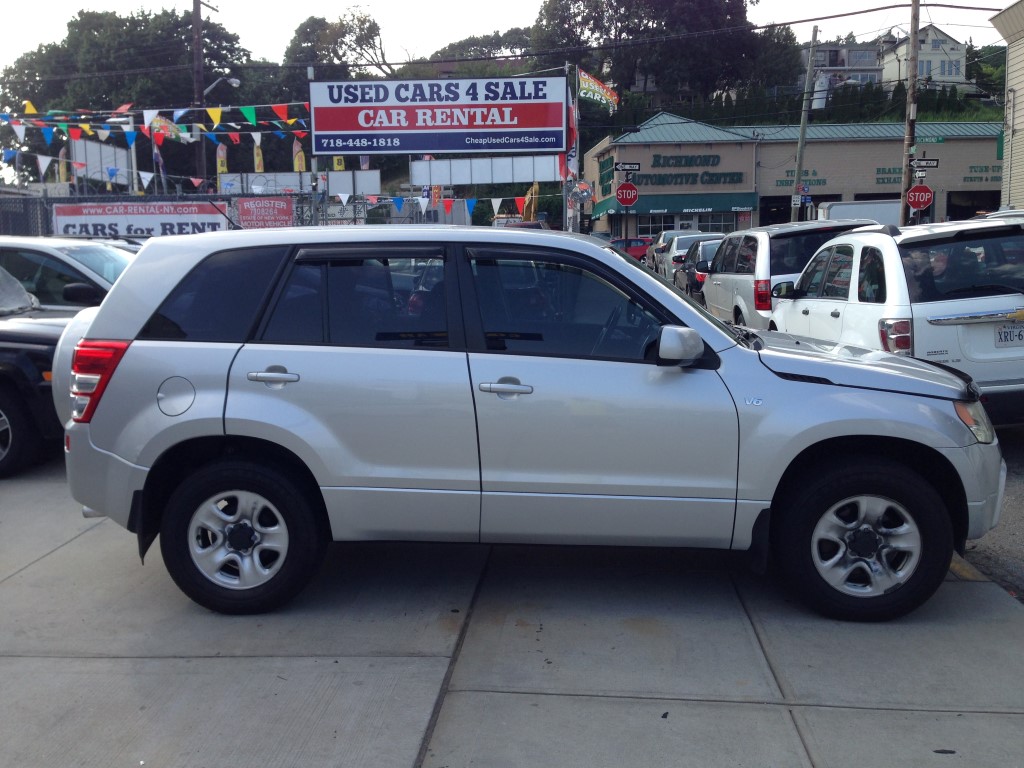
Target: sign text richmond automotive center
x,y
519,114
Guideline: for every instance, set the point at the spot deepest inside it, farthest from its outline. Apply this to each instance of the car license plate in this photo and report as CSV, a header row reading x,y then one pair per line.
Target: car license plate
x,y
1010,335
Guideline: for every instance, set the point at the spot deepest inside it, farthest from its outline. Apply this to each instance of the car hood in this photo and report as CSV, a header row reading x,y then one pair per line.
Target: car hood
x,y
851,366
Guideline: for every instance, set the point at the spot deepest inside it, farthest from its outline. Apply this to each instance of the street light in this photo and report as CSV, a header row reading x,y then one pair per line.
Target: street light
x,y
234,82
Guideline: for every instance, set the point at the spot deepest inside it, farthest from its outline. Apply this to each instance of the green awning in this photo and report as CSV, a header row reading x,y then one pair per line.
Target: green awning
x,y
721,202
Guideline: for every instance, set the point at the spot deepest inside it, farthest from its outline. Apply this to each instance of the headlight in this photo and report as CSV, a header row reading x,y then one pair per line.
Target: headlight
x,y
974,416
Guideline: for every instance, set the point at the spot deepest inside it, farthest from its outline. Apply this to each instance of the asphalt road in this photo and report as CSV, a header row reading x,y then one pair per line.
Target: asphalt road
x,y
1000,554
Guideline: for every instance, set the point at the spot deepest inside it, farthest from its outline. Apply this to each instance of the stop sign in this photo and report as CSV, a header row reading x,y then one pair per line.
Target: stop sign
x,y
627,194
920,197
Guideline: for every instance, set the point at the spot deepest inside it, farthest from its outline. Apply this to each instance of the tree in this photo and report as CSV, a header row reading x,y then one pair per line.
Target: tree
x,y
354,40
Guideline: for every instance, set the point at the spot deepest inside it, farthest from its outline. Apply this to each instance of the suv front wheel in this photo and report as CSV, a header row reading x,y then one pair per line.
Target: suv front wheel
x,y
241,538
869,544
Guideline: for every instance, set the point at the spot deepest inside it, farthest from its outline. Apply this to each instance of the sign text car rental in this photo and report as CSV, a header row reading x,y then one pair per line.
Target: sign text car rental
x,y
517,114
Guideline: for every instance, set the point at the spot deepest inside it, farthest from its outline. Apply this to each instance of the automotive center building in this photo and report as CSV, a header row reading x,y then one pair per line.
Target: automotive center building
x,y
691,175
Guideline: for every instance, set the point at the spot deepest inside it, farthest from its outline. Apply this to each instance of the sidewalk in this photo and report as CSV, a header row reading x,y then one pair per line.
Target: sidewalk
x,y
457,655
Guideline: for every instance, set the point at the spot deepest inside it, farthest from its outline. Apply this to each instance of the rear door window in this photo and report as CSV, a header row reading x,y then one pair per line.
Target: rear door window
x,y
352,298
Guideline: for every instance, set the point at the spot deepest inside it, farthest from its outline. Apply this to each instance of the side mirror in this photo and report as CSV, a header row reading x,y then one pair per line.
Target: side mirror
x,y
679,346
82,293
703,266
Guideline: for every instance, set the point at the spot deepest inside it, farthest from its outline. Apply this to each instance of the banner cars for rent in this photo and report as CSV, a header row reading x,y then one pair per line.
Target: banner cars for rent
x,y
518,114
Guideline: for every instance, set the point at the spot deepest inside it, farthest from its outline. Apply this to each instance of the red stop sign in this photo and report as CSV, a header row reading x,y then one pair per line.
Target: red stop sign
x,y
920,197
627,194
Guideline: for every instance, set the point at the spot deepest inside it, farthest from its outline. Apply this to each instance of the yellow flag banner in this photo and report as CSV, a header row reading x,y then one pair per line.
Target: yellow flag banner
x,y
339,163
298,158
257,159
222,158
593,89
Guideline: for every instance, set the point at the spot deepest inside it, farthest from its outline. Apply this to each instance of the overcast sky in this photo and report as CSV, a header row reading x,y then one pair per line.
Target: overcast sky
x,y
417,28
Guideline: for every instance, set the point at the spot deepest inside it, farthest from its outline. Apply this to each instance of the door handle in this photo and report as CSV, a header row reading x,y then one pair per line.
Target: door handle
x,y
506,388
834,313
275,376
805,311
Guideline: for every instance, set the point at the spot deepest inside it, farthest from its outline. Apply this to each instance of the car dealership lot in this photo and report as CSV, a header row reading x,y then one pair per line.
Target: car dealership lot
x,y
450,655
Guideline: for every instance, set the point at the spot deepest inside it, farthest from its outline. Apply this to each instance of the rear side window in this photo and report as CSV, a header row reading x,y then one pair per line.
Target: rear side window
x,y
219,299
791,252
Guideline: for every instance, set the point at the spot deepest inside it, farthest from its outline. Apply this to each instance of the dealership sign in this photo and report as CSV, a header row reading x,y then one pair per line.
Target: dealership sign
x,y
516,114
139,219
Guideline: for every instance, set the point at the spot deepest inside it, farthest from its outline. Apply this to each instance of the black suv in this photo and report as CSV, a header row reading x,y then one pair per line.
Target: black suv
x,y
28,337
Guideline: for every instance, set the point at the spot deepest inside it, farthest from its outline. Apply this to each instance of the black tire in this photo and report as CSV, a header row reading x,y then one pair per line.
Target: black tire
x,y
738,318
268,538
19,437
869,542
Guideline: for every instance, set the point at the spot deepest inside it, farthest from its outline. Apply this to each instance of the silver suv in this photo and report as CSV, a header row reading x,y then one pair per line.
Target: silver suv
x,y
738,287
250,396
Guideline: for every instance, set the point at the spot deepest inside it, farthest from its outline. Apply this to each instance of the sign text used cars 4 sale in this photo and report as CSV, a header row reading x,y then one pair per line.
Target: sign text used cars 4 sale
x,y
521,114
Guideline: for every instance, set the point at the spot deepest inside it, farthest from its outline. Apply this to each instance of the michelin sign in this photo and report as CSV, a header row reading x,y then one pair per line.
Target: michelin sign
x,y
520,115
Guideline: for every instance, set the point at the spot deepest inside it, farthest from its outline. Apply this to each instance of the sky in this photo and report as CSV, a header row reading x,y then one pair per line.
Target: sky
x,y
414,28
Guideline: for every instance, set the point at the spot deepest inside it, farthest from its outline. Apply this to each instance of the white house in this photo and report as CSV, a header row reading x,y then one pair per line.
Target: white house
x,y
941,61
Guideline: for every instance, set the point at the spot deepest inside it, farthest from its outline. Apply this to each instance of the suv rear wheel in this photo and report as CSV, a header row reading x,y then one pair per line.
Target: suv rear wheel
x,y
241,538
870,544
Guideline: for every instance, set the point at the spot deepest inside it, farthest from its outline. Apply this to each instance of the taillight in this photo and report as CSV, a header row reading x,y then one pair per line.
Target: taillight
x,y
91,368
896,336
763,295
700,276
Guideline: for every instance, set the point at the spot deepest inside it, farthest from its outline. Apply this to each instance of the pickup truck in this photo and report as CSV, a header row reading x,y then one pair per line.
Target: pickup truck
x,y
28,338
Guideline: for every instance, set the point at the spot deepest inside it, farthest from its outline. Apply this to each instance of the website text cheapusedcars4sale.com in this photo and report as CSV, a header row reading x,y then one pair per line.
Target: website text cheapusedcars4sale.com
x,y
424,116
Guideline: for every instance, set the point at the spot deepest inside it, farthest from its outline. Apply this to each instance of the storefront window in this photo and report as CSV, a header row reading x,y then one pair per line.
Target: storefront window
x,y
716,222
652,226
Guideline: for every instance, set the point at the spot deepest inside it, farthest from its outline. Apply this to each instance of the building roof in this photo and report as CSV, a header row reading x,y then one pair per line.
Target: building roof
x,y
1010,23
666,128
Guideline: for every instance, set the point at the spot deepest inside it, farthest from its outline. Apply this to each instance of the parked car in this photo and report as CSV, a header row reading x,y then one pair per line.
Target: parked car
x,y
249,396
661,241
748,263
668,259
28,337
686,277
47,266
675,248
634,246
952,293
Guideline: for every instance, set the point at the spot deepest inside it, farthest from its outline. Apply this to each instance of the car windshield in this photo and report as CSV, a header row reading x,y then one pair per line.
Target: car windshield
x,y
14,299
103,260
986,264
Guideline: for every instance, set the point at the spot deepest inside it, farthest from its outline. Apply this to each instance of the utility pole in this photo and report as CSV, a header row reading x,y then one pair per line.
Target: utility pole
x,y
909,137
796,201
197,84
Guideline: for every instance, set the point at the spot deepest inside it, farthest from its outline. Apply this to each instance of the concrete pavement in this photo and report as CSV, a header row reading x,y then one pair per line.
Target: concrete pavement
x,y
458,655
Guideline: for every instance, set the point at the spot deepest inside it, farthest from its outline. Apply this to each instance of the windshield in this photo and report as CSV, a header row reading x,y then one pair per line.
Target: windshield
x,y
13,297
985,264
104,260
